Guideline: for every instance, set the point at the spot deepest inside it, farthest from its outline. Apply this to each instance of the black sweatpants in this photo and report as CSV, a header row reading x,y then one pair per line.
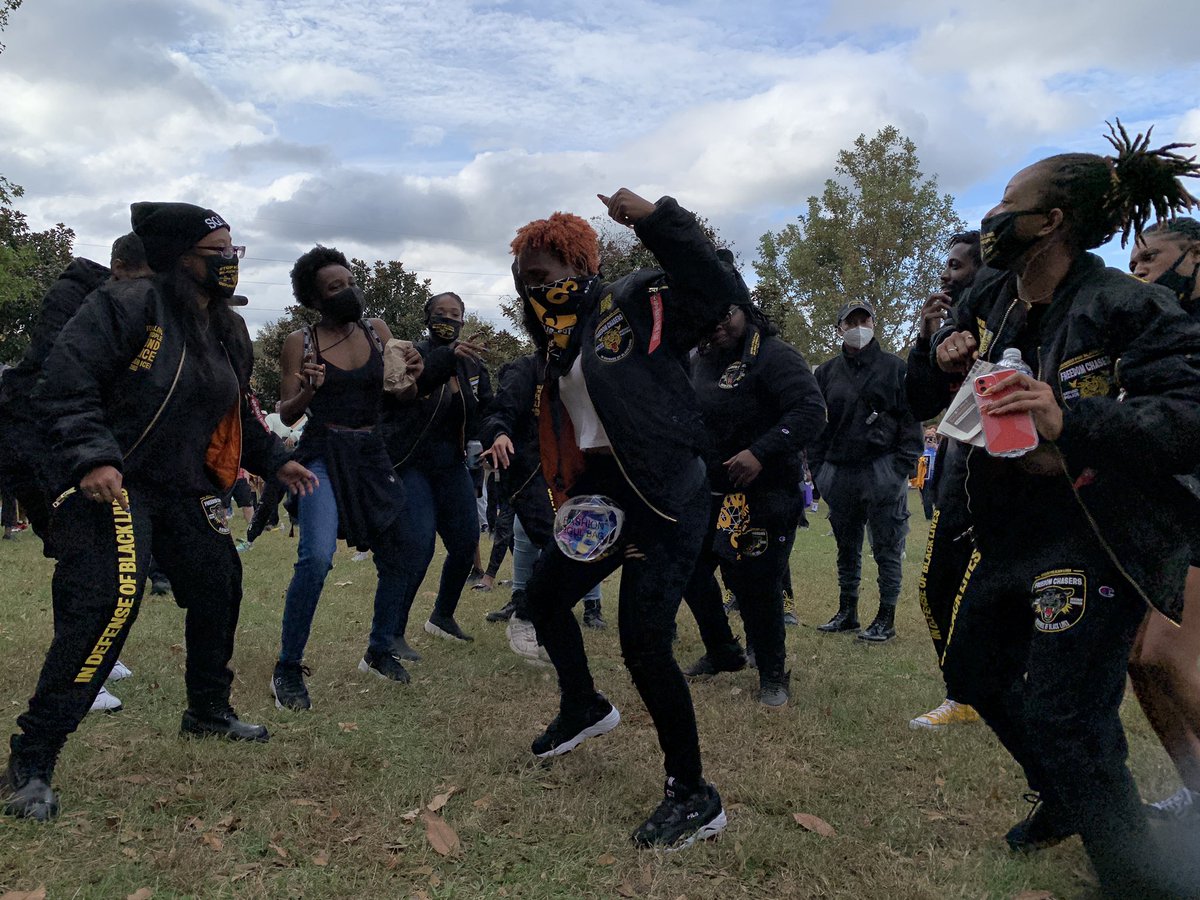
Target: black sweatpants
x,y
947,554
756,579
502,533
651,588
1039,644
871,496
103,555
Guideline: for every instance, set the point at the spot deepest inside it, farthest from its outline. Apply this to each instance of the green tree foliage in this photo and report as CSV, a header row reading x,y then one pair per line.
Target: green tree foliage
x,y
6,7
503,346
30,262
878,232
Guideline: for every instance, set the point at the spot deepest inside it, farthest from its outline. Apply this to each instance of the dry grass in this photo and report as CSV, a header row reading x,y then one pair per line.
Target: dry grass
x,y
320,811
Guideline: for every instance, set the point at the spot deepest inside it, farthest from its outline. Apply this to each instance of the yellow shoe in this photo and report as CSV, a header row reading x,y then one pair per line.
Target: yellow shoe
x,y
789,610
949,713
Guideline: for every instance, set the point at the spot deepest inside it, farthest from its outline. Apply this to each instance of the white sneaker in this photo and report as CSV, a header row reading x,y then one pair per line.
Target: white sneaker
x,y
119,671
105,702
1183,804
522,638
360,556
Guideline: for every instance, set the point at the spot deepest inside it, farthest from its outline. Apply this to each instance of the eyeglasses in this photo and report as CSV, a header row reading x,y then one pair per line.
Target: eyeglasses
x,y
729,313
233,250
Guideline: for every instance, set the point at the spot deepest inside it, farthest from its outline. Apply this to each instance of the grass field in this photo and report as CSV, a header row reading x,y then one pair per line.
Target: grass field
x,y
329,807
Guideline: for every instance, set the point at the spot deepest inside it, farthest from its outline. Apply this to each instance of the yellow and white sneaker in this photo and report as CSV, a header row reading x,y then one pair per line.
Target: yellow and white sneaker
x,y
949,713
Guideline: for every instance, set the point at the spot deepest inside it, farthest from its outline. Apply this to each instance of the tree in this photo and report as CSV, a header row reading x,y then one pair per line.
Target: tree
x,y
503,346
6,7
30,262
878,232
390,292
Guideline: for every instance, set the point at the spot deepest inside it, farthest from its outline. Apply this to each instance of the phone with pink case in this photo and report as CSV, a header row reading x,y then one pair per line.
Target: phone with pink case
x,y
1004,435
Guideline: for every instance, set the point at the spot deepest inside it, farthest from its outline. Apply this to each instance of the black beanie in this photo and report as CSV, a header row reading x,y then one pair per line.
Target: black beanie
x,y
169,230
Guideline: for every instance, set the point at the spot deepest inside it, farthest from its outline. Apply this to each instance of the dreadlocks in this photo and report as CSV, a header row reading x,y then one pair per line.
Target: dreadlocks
x,y
566,235
1184,228
971,239
1101,195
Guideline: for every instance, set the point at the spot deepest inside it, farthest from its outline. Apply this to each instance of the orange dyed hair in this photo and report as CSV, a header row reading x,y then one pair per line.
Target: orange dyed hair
x,y
566,235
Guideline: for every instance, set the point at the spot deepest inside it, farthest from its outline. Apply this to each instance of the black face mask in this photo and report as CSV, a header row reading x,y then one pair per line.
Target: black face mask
x,y
998,241
1182,286
220,276
344,306
444,329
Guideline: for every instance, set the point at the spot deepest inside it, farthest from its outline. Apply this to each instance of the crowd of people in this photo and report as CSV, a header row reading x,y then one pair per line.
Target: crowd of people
x,y
663,427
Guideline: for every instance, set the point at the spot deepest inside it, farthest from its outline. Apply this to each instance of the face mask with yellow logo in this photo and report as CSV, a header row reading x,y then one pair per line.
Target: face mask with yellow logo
x,y
557,306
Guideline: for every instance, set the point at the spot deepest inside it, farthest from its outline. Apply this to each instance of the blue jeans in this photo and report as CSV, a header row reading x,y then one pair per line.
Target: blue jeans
x,y
525,554
318,541
438,502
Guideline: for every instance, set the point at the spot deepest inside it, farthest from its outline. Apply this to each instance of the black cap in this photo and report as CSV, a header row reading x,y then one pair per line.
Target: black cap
x,y
845,311
168,230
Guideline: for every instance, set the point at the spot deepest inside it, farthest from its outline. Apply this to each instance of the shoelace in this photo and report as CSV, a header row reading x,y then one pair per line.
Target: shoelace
x,y
1034,798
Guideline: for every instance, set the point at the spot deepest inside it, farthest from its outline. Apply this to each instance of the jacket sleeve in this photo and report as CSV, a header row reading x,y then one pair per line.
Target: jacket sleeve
x,y
1157,353
61,302
802,406
92,349
820,444
927,387
910,443
483,393
513,399
703,281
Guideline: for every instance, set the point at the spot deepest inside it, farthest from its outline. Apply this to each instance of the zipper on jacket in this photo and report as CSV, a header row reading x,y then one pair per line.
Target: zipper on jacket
x,y
417,442
162,406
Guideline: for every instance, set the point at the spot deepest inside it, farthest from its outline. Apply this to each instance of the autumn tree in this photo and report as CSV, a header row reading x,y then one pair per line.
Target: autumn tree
x,y
878,233
30,262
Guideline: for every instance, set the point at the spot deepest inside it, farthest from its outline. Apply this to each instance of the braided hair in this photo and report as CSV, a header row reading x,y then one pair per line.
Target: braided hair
x,y
1185,229
1101,195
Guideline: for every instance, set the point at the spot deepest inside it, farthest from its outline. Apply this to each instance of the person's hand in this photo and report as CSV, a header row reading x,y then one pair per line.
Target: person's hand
x,y
743,468
501,451
103,485
957,353
297,479
414,363
1030,396
470,348
626,207
312,374
933,313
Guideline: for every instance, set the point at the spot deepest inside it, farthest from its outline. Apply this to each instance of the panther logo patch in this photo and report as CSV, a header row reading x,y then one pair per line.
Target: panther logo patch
x,y
733,375
614,337
1059,600
215,512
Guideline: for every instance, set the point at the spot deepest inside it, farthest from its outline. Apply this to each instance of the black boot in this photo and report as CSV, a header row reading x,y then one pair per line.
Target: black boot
x,y
883,628
1045,826
220,721
845,619
592,617
25,788
729,658
503,614
774,691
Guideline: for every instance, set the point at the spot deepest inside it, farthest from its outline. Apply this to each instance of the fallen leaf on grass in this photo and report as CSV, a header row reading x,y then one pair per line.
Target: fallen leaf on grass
x,y
211,840
229,824
410,816
484,802
141,894
425,871
933,816
442,838
160,803
348,726
279,851
321,859
814,824
625,889
195,823
304,802
441,800
1034,895
38,893
606,859
134,779
130,852
334,814
342,583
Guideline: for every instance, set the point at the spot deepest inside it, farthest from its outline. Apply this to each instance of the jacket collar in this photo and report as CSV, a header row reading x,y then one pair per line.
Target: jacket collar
x,y
866,355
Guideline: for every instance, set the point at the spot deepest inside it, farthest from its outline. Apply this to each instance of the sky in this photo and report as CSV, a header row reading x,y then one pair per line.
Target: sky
x,y
428,131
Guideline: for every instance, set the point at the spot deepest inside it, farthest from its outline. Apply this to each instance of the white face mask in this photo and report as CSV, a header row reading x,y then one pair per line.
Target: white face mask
x,y
858,337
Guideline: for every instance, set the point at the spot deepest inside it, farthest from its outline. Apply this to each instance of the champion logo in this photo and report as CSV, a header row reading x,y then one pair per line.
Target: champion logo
x,y
1106,591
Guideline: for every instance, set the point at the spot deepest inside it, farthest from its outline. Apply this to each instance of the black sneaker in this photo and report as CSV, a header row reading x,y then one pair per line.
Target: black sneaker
x,y
25,789
706,666
593,619
287,686
160,587
401,650
383,665
446,628
221,722
503,614
683,818
774,692
571,727
1045,826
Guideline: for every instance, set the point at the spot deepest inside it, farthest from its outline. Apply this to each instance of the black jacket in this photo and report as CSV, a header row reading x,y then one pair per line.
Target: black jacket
x,y
1124,361
514,412
633,337
62,301
762,397
869,415
113,370
433,429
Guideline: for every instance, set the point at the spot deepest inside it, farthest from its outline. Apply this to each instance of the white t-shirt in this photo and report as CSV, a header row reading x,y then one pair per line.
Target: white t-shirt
x,y
589,432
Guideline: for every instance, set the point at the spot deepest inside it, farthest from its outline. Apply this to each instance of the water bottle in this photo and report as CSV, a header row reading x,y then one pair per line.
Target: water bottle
x,y
1015,435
